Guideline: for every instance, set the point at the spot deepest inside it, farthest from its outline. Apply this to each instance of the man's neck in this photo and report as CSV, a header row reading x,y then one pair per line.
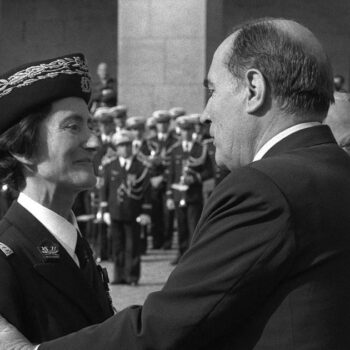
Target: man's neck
x,y
271,127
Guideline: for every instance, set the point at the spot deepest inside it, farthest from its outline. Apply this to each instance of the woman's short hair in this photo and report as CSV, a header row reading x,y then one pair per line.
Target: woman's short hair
x,y
22,140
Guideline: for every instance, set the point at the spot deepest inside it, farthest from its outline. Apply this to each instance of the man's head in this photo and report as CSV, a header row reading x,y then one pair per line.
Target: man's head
x,y
106,124
266,76
338,81
102,70
162,119
186,126
136,125
119,115
122,141
46,139
338,119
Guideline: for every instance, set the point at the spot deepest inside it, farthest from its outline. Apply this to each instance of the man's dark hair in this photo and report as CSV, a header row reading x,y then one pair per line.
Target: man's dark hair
x,y
300,82
22,140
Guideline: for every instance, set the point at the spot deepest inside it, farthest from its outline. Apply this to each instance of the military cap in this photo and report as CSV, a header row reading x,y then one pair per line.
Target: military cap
x,y
118,111
176,112
100,112
186,122
161,116
136,122
122,136
194,118
151,122
27,87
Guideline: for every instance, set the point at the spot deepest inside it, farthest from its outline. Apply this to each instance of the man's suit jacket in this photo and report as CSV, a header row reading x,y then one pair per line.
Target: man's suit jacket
x,y
268,268
42,290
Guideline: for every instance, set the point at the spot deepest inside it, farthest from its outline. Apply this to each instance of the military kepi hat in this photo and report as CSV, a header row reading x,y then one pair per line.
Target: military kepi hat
x,y
27,87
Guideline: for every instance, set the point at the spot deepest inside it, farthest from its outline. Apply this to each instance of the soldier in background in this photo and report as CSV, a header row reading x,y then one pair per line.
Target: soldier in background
x,y
120,114
139,144
150,128
98,232
141,151
126,184
175,113
162,218
105,90
338,119
189,166
339,81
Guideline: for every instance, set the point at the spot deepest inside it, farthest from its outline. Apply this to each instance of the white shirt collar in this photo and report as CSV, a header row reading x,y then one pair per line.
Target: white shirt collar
x,y
280,136
106,138
63,230
162,136
187,145
125,162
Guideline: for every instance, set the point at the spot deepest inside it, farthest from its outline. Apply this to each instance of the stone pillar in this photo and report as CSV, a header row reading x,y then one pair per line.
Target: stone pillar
x,y
161,54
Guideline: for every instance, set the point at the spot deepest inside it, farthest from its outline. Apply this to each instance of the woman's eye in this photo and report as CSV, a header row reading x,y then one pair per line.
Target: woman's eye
x,y
73,127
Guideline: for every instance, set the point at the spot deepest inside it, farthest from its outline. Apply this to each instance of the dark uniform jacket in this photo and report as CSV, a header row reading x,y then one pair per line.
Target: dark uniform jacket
x,y
160,150
126,190
42,290
268,268
199,164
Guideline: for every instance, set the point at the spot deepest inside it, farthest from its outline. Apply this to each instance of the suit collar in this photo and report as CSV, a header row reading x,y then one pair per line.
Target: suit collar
x,y
303,138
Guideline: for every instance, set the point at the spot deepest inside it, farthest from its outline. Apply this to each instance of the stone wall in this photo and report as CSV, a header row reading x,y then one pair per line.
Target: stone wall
x,y
329,20
161,54
39,29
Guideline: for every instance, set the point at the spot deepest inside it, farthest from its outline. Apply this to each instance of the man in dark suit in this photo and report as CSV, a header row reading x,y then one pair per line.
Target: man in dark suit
x,y
50,283
268,267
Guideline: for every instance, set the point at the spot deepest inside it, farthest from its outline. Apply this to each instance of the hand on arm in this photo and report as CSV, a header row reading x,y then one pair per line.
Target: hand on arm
x,y
12,339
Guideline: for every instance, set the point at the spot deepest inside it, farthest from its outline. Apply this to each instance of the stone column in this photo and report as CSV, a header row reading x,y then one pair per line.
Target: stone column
x,y
161,54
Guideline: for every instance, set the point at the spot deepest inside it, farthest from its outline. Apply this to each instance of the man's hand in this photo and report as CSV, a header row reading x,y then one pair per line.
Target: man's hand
x,y
12,339
170,204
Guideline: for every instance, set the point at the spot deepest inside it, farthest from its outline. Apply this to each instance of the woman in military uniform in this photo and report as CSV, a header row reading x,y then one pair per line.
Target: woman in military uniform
x,y
50,284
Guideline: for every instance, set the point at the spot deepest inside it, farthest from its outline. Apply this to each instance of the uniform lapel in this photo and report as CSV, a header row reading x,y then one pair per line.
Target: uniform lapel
x,y
60,270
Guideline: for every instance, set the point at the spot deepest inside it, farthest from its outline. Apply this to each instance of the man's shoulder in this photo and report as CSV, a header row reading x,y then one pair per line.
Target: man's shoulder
x,y
245,182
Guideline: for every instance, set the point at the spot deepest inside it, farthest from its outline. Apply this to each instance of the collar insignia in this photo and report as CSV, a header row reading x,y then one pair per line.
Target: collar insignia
x,y
49,250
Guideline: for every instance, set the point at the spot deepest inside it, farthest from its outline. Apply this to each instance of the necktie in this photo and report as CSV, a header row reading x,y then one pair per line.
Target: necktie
x,y
82,251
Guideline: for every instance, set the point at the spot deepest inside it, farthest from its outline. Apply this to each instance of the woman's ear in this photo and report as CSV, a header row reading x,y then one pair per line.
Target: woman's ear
x,y
256,85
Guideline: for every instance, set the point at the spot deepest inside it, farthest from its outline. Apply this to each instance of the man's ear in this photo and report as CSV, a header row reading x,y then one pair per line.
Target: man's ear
x,y
256,88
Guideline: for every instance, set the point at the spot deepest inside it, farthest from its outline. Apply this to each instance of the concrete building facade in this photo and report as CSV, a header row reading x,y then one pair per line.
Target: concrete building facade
x,y
159,50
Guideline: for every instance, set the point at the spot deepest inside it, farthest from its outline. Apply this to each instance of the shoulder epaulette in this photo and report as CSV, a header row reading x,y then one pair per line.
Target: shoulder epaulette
x,y
5,249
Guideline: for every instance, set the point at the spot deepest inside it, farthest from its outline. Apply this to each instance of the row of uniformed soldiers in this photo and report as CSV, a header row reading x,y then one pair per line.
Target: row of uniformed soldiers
x,y
169,158
152,173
